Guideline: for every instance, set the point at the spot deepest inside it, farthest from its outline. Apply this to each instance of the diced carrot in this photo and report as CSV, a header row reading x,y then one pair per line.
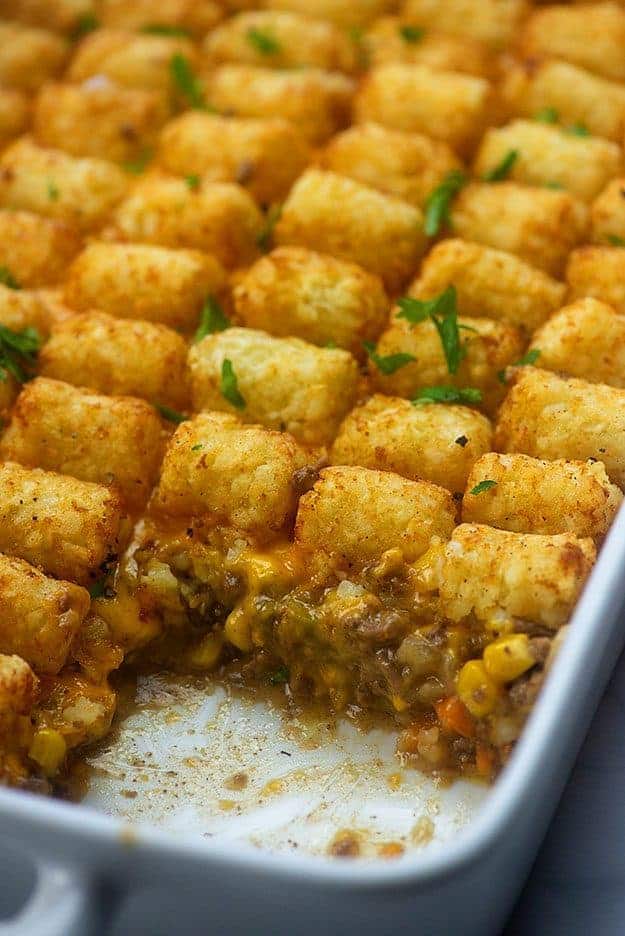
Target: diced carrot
x,y
484,760
453,715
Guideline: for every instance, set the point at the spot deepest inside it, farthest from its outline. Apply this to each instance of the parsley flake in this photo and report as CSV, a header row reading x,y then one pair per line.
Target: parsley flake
x,y
18,353
164,29
529,358
547,115
411,34
138,165
446,394
171,415
7,278
186,81
263,42
53,191
193,181
279,676
438,202
98,589
554,185
197,447
616,241
389,363
84,25
265,238
330,345
229,385
212,319
485,485
578,129
503,169
443,312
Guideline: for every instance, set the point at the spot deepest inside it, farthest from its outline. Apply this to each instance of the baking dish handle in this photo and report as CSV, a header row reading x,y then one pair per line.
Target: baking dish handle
x,y
61,904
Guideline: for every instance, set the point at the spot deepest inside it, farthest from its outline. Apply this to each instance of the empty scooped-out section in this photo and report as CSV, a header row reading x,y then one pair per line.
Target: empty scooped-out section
x,y
197,760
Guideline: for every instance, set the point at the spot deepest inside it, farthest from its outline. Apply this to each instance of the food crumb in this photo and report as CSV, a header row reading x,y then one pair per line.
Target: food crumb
x,y
422,831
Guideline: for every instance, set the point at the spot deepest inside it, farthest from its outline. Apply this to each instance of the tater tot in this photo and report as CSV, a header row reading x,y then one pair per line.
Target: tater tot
x,y
285,383
489,282
598,272
356,514
29,56
344,13
18,687
264,156
567,496
539,225
493,575
548,155
577,97
584,339
429,442
408,165
140,281
607,214
298,292
548,416
39,617
36,250
193,16
79,710
131,59
23,308
492,21
98,119
95,350
70,529
590,36
216,217
281,40
490,347
49,182
381,233
448,106
60,15
110,440
14,114
317,102
218,469
399,39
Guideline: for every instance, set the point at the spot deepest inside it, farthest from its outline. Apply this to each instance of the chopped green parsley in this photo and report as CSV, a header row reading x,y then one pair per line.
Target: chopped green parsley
x,y
503,169
446,394
229,385
438,202
389,363
212,319
18,353
485,485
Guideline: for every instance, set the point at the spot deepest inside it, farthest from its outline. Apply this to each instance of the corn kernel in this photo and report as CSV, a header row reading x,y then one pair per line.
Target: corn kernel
x,y
476,688
399,704
48,749
205,655
237,628
508,657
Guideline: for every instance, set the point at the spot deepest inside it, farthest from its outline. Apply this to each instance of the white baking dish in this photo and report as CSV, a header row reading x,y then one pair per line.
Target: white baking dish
x,y
464,881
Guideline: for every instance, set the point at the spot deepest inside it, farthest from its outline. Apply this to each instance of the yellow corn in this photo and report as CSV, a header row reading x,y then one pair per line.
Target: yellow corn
x,y
237,628
206,654
476,689
508,657
48,749
399,704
